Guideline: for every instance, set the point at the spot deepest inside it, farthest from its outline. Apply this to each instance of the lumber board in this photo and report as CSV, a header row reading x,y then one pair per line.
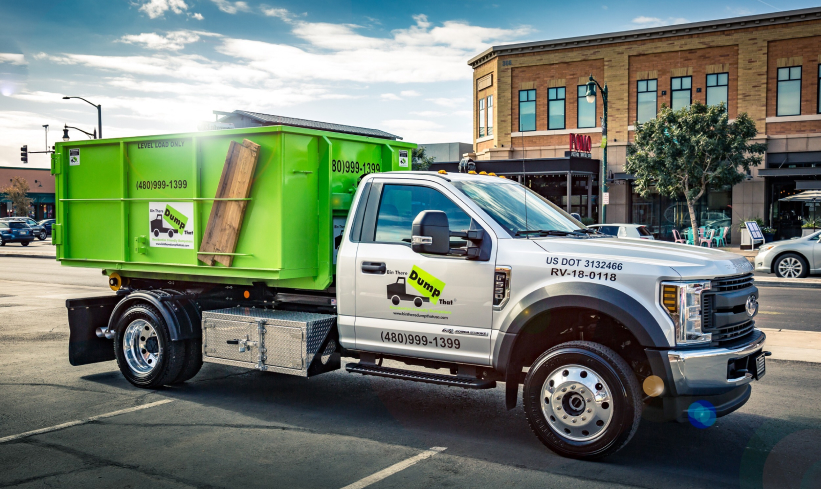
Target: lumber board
x,y
225,222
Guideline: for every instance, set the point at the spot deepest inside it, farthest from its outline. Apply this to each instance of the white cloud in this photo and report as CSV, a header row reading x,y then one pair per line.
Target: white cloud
x,y
156,8
13,58
390,96
447,101
409,93
197,16
644,21
281,13
171,41
231,7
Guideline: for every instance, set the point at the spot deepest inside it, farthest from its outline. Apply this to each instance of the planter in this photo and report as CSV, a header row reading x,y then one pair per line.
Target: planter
x,y
808,231
769,237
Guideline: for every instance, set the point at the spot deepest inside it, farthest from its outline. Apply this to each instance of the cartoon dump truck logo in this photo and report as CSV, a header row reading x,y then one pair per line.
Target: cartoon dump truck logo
x,y
426,284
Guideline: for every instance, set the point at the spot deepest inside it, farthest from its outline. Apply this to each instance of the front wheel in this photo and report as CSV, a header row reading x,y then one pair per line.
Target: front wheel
x,y
582,400
145,353
25,243
791,265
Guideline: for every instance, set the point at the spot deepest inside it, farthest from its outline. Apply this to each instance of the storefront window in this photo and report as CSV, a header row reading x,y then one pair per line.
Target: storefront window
x,y
662,214
583,193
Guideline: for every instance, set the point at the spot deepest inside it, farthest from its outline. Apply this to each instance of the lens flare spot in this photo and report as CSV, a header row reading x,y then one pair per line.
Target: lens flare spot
x,y
702,414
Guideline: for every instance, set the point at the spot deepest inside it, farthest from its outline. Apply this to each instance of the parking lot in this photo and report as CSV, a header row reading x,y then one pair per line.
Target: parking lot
x,y
232,427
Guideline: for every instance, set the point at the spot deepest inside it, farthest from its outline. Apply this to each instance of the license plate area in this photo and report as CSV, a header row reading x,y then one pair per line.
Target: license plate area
x,y
759,366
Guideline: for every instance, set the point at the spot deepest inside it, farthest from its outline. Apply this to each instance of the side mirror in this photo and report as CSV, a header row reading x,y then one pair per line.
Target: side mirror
x,y
430,233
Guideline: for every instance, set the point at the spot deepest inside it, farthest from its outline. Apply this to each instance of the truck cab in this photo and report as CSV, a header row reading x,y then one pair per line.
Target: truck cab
x,y
541,300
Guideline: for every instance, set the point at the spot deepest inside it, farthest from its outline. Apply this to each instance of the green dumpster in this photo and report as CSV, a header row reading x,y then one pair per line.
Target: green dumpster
x,y
139,206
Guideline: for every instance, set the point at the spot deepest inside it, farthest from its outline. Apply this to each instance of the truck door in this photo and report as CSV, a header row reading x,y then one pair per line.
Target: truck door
x,y
418,305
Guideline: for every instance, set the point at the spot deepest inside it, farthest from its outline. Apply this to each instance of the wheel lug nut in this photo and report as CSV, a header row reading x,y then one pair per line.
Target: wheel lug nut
x,y
589,410
564,389
572,386
581,391
590,400
584,419
564,417
558,408
574,420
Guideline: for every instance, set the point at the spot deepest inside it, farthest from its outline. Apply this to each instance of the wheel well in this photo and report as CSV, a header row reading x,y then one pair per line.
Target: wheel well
x,y
560,325
775,259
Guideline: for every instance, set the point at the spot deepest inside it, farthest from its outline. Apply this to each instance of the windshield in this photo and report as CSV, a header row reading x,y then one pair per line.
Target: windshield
x,y
505,203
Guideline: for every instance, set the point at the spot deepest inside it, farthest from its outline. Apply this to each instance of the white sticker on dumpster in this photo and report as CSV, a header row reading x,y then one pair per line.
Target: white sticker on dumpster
x,y
74,157
403,158
171,224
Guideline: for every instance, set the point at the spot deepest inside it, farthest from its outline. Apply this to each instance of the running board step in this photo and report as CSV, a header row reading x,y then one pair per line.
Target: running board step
x,y
412,375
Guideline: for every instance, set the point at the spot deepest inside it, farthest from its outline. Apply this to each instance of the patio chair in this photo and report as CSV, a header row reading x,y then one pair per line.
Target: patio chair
x,y
688,233
677,237
721,239
707,239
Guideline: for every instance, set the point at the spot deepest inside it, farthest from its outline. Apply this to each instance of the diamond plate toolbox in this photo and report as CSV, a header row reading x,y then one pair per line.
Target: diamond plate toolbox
x,y
280,341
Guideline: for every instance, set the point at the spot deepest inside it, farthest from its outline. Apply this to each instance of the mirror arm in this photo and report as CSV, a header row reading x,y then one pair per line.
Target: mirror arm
x,y
475,235
472,253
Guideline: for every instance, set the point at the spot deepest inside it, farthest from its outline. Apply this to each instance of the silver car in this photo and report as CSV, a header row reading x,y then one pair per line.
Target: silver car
x,y
791,258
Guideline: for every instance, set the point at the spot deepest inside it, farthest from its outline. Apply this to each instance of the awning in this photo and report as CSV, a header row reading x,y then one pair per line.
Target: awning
x,y
806,196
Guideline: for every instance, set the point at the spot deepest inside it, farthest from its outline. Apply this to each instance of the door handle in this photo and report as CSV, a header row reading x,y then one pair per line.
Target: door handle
x,y
374,267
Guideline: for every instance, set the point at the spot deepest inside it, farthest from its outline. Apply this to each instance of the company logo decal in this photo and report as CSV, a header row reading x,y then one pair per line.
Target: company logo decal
x,y
175,218
425,283
170,225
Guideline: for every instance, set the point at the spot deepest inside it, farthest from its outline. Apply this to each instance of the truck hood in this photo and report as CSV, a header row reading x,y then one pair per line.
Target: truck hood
x,y
691,262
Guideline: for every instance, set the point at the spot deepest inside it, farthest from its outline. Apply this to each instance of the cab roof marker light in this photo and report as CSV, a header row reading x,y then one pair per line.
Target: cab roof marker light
x,y
471,172
442,172
482,173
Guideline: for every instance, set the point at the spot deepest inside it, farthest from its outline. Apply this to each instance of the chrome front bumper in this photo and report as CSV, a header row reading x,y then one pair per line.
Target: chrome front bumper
x,y
704,372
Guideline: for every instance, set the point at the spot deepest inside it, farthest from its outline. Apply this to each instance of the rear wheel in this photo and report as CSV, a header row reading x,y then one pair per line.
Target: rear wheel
x,y
582,400
791,265
170,234
25,243
192,362
145,353
42,236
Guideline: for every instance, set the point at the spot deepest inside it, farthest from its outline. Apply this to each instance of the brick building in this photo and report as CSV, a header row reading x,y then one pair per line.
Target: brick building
x,y
41,191
528,97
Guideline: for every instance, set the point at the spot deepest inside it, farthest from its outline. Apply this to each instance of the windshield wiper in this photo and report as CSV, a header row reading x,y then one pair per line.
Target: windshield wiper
x,y
550,232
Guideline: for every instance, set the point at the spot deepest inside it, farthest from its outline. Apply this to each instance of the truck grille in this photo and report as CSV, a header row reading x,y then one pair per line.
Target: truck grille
x,y
724,311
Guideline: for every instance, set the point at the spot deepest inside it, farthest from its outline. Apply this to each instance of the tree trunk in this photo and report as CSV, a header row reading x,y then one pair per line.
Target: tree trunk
x,y
693,220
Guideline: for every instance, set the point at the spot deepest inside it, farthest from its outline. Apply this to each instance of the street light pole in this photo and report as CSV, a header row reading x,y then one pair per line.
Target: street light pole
x,y
99,115
591,98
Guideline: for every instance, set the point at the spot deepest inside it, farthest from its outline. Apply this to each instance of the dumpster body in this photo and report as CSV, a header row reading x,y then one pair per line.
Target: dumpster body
x,y
139,206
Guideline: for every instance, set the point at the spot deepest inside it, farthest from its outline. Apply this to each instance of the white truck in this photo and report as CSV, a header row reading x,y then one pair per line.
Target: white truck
x,y
472,280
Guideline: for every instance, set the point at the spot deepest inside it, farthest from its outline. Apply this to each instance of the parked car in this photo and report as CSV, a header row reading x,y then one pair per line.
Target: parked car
x,y
15,232
47,223
623,230
791,258
38,230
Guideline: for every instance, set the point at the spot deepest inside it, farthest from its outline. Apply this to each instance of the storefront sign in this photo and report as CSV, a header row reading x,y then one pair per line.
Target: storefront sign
x,y
580,146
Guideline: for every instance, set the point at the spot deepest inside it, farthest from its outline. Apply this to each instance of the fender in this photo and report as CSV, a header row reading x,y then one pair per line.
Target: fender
x,y
182,316
606,300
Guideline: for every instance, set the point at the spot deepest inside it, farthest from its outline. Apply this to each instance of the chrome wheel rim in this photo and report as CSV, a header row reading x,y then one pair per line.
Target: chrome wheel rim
x,y
577,403
141,347
790,267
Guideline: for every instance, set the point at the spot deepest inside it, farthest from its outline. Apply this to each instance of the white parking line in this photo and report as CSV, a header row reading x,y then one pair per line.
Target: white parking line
x,y
382,474
82,421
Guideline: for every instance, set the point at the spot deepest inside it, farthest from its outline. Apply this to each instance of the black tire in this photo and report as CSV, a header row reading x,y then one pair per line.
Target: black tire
x,y
791,265
418,302
42,236
395,300
2,241
156,233
192,362
619,381
171,358
170,234
25,243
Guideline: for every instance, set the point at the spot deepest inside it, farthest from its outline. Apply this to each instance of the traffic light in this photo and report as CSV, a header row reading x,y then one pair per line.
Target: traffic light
x,y
24,153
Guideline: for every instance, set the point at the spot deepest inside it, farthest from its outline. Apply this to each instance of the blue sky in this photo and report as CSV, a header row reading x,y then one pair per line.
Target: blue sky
x,y
160,66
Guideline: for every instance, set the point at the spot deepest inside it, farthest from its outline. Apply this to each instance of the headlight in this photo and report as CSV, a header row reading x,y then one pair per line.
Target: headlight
x,y
682,301
765,248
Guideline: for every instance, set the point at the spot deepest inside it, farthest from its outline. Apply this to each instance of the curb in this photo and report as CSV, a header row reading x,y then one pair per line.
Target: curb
x,y
794,285
28,255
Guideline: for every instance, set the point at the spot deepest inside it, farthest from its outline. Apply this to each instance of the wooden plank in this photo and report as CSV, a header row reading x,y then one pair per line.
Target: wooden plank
x,y
225,222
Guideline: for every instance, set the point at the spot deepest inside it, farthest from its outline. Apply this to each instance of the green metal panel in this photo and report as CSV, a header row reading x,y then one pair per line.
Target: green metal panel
x,y
109,191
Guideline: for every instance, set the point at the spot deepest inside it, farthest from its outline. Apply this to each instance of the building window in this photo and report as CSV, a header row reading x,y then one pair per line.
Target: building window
x,y
586,113
788,101
481,117
717,84
646,100
555,108
680,90
527,110
490,115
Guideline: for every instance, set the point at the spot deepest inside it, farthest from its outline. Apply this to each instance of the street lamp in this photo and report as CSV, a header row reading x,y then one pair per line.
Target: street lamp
x,y
591,98
67,127
99,115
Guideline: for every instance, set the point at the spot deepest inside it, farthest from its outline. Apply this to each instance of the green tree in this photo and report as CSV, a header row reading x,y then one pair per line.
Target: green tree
x,y
687,151
419,160
16,193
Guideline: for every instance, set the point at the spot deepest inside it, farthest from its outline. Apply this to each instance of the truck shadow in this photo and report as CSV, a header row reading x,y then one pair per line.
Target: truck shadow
x,y
475,424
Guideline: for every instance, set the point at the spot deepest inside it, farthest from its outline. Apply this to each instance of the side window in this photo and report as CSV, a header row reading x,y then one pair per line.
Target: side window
x,y
622,232
399,206
609,230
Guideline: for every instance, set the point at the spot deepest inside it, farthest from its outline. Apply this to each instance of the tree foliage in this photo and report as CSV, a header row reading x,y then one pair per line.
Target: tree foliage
x,y
16,193
420,160
687,151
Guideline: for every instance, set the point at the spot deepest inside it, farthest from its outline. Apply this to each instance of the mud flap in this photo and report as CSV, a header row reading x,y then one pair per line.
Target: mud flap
x,y
84,317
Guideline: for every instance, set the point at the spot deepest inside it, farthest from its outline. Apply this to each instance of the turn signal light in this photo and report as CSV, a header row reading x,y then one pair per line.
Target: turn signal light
x,y
669,298
443,172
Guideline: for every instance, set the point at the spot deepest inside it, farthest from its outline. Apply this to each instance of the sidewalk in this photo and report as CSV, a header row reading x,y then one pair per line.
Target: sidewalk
x,y
36,249
787,344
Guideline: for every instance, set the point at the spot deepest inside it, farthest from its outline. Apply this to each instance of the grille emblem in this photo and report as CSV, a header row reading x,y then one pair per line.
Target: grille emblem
x,y
752,306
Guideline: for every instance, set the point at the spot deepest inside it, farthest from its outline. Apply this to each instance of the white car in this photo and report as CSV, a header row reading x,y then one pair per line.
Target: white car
x,y
791,258
624,230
